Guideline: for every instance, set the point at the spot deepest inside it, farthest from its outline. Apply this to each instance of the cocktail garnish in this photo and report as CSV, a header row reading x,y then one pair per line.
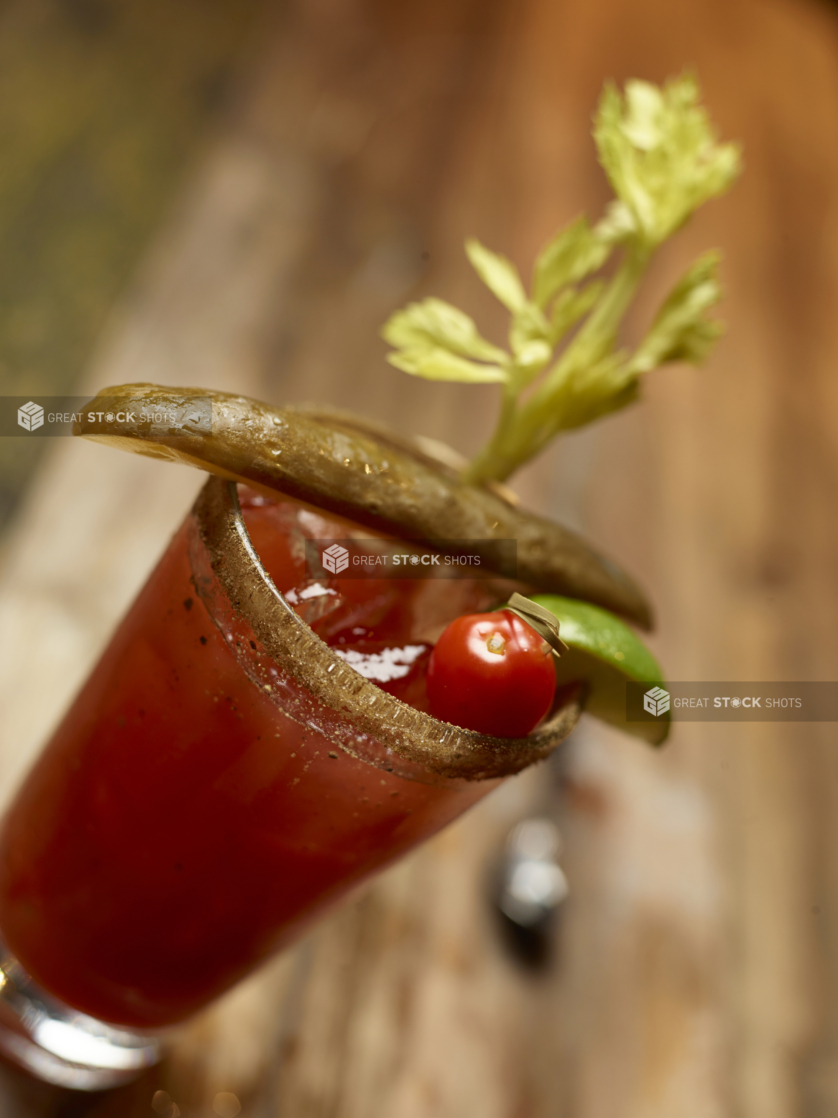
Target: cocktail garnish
x,y
542,620
562,367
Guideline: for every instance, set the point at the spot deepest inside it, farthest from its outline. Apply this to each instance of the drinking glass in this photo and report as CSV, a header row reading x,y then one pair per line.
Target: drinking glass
x,y
221,780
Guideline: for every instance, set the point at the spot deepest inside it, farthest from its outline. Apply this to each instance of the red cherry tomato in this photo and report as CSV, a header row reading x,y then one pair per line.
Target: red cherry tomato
x,y
491,672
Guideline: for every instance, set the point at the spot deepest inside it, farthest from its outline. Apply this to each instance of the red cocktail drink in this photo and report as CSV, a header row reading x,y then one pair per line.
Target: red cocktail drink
x,y
224,776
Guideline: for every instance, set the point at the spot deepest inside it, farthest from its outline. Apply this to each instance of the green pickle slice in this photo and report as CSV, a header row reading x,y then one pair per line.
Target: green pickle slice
x,y
341,464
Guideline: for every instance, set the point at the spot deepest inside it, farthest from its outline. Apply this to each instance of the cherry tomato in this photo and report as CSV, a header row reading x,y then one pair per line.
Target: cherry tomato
x,y
491,672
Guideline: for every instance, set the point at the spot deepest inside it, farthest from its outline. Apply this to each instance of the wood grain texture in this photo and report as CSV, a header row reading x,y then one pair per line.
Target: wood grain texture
x,y
697,971
103,107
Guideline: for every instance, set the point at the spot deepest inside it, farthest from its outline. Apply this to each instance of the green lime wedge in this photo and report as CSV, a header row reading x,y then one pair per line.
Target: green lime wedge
x,y
606,654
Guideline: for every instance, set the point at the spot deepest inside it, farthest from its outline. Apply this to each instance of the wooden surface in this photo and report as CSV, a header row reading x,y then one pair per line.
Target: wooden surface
x,y
103,107
696,969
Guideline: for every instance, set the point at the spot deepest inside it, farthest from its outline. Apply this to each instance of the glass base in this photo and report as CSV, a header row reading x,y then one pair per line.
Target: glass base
x,y
60,1045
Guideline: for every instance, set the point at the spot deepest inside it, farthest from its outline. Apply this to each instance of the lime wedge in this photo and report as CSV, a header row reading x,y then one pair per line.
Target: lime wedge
x,y
606,654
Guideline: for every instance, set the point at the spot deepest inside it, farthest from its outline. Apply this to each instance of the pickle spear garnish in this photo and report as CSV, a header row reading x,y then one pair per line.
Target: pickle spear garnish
x,y
380,484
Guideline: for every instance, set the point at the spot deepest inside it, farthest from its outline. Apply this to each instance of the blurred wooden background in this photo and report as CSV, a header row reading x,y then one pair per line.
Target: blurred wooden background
x,y
358,142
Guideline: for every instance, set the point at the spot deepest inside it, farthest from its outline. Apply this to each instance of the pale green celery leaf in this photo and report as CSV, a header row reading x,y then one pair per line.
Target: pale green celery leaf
x,y
442,364
680,331
660,154
433,323
618,225
499,274
529,324
603,387
604,654
532,356
570,306
645,108
583,394
574,253
528,339
579,409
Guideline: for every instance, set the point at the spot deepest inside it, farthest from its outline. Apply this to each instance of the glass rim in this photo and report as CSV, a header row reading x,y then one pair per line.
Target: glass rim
x,y
310,683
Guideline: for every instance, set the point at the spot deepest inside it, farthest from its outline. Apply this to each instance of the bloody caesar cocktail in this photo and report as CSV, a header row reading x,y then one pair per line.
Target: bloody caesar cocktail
x,y
225,773
199,805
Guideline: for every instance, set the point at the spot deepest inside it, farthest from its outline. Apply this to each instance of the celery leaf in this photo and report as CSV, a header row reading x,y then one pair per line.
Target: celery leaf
x,y
564,367
499,274
681,331
435,323
435,363
574,253
659,151
570,306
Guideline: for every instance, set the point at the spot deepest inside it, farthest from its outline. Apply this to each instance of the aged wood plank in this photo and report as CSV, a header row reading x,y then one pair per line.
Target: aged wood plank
x,y
103,104
697,968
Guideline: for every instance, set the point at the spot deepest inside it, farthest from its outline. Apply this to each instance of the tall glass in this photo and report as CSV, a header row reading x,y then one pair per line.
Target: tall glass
x,y
222,779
